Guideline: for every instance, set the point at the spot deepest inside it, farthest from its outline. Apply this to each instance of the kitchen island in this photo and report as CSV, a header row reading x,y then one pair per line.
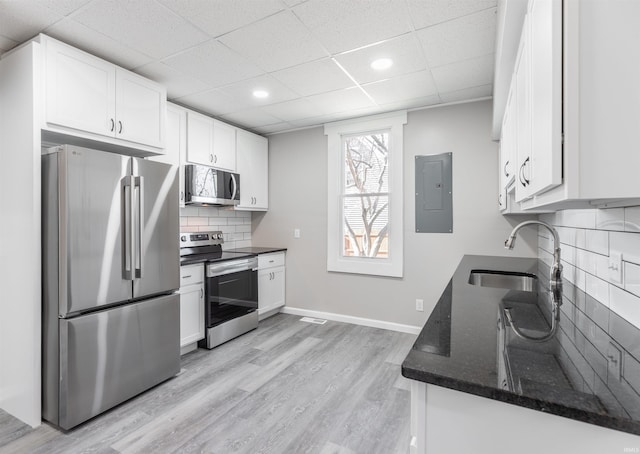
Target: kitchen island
x,y
477,387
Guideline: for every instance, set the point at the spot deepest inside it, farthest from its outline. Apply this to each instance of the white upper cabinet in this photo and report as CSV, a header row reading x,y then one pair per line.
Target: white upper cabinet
x,y
199,139
522,90
545,59
175,144
210,142
140,109
253,167
88,97
224,146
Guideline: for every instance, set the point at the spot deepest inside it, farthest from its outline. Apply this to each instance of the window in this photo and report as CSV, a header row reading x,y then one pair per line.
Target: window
x,y
365,195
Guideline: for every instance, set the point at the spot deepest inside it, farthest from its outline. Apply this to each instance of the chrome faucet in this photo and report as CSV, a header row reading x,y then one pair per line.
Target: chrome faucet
x,y
555,282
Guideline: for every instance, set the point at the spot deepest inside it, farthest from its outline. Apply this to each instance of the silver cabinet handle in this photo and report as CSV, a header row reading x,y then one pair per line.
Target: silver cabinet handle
x,y
120,127
113,125
215,158
506,172
181,195
201,293
186,277
211,158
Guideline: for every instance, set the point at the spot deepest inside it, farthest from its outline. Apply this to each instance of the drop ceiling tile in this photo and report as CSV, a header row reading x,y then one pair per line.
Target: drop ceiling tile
x,y
314,77
7,43
22,20
145,25
222,16
412,103
276,42
404,50
460,39
213,102
96,43
468,93
243,91
214,64
272,129
252,118
430,12
345,25
408,86
340,101
292,110
465,74
64,7
177,83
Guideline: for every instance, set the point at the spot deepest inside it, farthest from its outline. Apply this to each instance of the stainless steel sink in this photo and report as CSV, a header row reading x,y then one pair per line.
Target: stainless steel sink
x,y
504,279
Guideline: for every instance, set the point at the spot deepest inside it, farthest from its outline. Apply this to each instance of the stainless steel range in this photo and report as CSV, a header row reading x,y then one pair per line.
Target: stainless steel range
x,y
231,286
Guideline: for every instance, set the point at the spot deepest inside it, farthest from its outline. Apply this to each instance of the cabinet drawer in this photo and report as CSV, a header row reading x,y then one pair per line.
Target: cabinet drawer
x,y
191,274
270,260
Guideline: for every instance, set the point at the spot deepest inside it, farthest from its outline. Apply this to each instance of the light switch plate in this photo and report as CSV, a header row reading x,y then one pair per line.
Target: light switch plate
x,y
615,267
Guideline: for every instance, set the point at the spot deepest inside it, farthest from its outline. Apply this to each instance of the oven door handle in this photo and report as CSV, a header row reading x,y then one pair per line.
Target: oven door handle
x,y
235,266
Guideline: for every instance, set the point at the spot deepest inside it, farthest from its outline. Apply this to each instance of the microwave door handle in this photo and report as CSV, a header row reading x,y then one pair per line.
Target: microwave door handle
x,y
139,184
127,262
234,185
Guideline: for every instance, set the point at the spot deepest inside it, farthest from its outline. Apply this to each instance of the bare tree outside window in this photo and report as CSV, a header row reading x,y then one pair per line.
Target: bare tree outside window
x,y
365,199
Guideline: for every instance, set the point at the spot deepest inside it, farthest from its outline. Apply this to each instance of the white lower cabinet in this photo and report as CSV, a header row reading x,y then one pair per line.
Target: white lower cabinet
x,y
191,306
271,283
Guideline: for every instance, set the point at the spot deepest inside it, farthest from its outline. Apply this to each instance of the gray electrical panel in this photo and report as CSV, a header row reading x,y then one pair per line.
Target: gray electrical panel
x,y
434,205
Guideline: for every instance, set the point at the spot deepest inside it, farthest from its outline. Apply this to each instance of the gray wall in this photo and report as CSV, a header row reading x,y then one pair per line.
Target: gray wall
x,y
298,199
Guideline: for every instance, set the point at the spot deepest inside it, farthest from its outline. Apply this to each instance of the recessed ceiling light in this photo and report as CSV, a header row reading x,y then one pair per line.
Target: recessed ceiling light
x,y
381,64
260,93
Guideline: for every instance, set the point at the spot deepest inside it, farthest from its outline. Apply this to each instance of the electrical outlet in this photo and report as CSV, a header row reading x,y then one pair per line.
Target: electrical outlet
x,y
615,267
296,233
419,305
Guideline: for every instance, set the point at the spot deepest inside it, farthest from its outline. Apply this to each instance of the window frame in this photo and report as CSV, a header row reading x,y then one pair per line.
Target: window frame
x,y
391,266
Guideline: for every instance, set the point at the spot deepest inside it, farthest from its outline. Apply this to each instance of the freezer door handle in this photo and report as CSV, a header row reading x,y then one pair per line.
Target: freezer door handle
x,y
139,253
127,219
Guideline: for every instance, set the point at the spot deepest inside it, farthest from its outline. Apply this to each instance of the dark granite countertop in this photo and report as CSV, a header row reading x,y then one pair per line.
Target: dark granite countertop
x,y
259,250
467,345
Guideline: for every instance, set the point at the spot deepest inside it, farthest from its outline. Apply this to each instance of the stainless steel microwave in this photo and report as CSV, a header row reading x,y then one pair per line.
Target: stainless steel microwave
x,y
208,186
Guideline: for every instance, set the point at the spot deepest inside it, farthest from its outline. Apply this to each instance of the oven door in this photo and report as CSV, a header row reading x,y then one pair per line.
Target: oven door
x,y
230,295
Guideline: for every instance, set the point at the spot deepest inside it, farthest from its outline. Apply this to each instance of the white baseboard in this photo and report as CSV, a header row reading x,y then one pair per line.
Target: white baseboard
x,y
353,320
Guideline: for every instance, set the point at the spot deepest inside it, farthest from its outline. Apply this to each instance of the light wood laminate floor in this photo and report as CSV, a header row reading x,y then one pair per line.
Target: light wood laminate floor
x,y
287,387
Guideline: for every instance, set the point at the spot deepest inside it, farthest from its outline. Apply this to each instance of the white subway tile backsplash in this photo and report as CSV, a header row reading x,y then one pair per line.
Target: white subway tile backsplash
x,y
632,279
581,238
597,288
626,243
567,235
227,213
597,241
195,220
217,221
243,228
208,211
625,304
588,238
585,219
189,211
610,219
586,260
183,221
235,221
632,219
243,243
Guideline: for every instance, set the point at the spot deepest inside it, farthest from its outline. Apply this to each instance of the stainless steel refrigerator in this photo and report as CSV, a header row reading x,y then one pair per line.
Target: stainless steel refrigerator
x,y
111,319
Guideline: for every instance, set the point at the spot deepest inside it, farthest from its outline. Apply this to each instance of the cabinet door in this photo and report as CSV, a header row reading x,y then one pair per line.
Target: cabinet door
x,y
191,314
80,90
271,289
253,166
224,146
199,139
545,28
523,117
175,144
141,108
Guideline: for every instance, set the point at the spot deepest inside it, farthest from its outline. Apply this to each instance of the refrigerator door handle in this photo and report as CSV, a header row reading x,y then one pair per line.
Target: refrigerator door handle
x,y
127,249
139,184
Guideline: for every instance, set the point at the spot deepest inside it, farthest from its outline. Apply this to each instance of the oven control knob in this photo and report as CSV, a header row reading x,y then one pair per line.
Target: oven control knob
x,y
183,238
219,236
